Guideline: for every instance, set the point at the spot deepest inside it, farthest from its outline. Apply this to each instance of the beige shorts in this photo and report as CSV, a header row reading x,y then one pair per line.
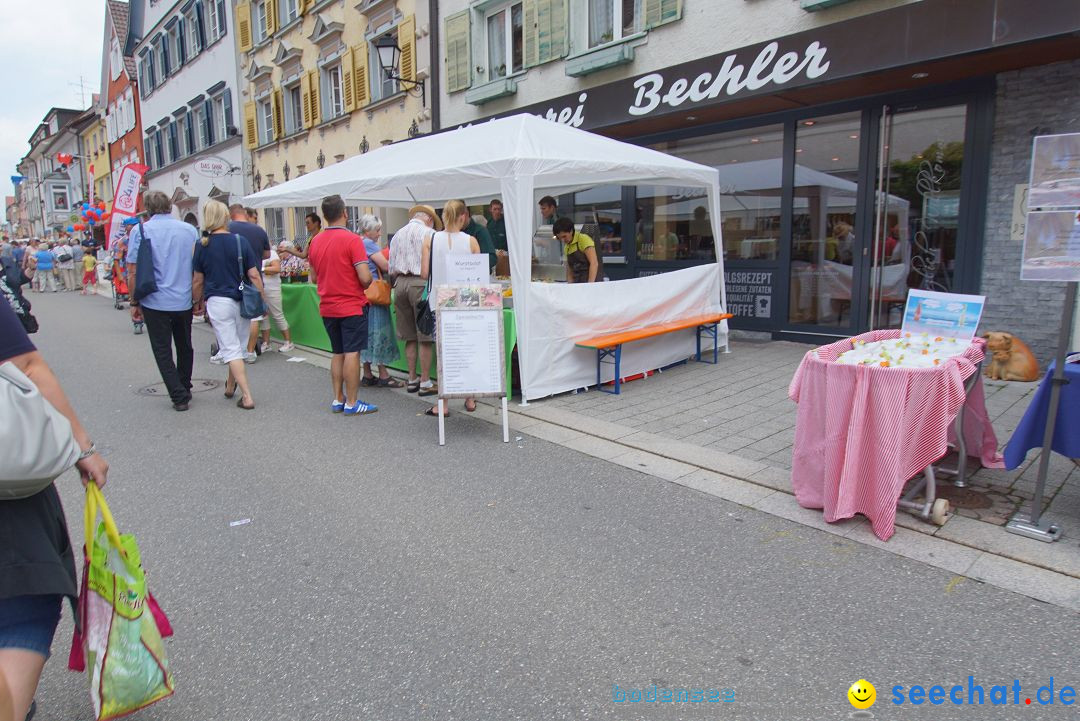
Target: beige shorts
x,y
407,292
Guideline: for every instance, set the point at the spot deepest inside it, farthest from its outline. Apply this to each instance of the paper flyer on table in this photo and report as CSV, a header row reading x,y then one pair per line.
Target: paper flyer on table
x,y
948,315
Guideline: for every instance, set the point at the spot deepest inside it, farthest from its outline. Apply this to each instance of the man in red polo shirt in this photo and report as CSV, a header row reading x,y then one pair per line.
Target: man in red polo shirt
x,y
339,268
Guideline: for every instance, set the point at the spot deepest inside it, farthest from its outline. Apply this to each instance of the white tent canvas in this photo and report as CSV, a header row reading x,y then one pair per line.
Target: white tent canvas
x,y
519,159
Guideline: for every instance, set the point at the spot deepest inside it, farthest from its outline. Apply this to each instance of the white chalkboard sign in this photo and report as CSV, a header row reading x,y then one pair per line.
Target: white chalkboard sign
x,y
470,352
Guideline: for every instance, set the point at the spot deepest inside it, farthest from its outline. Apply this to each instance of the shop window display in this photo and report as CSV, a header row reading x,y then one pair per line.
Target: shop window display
x,y
598,212
750,163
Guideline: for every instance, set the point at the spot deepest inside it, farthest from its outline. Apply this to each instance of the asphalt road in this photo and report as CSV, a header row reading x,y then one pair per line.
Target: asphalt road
x,y
382,577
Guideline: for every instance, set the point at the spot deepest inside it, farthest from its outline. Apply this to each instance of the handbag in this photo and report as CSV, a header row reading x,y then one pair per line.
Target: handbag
x,y
425,316
64,257
145,284
36,438
251,300
119,626
378,293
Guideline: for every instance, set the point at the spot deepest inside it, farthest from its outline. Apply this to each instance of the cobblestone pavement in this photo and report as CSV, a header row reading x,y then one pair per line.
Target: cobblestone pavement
x,y
741,407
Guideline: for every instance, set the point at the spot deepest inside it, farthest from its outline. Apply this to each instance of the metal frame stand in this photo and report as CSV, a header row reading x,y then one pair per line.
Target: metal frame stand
x,y
711,331
1030,524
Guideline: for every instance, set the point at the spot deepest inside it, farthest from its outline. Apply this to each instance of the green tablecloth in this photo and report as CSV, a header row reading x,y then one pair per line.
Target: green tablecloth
x,y
300,301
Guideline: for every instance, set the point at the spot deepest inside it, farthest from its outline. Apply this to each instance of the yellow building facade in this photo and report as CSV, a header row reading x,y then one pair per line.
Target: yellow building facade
x,y
96,149
314,92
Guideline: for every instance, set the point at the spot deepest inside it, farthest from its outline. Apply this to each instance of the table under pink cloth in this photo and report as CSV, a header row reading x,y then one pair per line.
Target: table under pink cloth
x,y
862,432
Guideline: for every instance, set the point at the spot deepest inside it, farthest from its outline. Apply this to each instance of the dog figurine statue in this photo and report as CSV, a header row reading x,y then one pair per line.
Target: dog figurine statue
x,y
1011,359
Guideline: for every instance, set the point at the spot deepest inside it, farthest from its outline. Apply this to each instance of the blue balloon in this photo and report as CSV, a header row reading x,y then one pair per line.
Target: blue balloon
x,y
71,229
91,221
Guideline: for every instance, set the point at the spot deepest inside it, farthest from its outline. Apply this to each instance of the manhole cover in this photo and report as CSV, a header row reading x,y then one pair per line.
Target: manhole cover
x,y
198,385
964,497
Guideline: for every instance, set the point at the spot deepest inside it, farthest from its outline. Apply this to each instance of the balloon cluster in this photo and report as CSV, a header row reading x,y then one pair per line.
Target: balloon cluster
x,y
91,215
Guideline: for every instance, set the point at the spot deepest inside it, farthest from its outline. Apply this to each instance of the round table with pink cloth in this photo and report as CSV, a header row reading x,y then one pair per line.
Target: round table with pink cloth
x,y
863,431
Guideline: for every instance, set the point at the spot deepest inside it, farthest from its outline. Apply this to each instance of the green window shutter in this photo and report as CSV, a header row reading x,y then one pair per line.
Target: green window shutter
x,y
658,12
458,59
545,30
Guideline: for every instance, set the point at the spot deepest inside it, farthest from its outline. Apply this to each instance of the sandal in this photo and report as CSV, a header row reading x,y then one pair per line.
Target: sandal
x,y
230,393
368,381
389,383
467,402
412,386
240,404
431,412
429,391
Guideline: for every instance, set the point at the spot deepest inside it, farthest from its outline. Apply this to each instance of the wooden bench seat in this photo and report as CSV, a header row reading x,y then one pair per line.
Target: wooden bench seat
x,y
610,345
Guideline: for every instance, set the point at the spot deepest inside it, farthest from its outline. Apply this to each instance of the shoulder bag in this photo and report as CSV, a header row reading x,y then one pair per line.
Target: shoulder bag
x,y
36,438
144,268
378,293
251,300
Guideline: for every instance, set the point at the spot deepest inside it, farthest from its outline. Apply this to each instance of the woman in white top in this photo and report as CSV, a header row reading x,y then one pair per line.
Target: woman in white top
x,y
451,241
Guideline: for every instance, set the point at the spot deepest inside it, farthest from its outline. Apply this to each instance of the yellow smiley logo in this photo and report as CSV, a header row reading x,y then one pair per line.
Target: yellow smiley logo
x,y
862,694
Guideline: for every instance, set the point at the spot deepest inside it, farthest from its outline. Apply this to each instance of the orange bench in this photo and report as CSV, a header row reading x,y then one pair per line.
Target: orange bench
x,y
610,345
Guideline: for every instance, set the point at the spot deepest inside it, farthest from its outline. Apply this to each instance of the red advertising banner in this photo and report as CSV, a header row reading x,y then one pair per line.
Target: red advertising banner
x,y
126,202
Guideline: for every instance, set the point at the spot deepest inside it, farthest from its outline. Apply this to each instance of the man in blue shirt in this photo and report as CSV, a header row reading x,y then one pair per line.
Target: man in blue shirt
x,y
242,225
167,311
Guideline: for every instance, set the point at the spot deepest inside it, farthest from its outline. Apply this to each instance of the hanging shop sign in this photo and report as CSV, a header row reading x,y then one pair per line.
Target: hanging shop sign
x,y
212,167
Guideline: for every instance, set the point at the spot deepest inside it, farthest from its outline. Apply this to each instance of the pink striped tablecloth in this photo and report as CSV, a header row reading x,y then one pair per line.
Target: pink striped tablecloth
x,y
862,432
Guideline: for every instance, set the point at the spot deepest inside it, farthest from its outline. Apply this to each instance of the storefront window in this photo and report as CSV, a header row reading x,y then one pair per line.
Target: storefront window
x,y
823,219
598,211
750,163
673,224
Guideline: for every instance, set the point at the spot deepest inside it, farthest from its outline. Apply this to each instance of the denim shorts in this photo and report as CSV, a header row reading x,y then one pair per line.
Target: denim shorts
x,y
29,622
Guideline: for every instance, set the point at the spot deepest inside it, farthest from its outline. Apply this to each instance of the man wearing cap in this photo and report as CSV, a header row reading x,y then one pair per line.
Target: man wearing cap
x,y
406,248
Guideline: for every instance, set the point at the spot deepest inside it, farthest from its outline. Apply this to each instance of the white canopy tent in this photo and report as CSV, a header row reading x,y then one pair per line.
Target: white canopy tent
x,y
521,158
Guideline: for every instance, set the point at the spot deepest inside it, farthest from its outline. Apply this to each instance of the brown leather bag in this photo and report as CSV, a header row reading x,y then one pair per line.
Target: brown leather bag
x,y
378,293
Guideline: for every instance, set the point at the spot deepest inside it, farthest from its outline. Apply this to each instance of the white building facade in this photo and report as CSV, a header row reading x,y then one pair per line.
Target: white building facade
x,y
187,80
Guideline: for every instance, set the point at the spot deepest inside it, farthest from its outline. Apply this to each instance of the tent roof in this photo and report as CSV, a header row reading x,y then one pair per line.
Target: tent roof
x,y
471,162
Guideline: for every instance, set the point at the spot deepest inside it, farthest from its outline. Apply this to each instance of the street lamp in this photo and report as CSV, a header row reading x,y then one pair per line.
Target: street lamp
x,y
389,57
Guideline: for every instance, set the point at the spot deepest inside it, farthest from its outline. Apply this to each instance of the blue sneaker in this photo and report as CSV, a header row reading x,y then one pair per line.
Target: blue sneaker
x,y
337,406
360,408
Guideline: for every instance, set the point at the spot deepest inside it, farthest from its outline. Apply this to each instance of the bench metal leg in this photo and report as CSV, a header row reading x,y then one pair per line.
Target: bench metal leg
x,y
713,331
601,354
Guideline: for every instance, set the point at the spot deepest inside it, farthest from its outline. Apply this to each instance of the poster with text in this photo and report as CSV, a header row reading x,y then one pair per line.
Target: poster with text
x,y
1055,172
1052,246
946,315
470,352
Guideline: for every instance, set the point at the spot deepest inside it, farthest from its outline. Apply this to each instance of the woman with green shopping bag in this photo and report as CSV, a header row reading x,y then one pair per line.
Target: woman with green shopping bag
x,y
37,565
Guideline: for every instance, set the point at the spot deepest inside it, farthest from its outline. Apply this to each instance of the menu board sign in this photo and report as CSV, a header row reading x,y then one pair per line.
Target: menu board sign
x,y
470,341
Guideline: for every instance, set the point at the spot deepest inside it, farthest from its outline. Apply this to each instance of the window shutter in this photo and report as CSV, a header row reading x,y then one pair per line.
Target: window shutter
x,y
251,128
313,85
458,60
208,110
407,42
271,17
305,98
348,84
544,31
360,75
200,25
181,42
658,12
226,107
243,26
279,116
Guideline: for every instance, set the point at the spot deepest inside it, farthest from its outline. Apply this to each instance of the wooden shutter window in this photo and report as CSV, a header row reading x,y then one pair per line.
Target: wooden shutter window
x,y
243,26
360,75
305,98
659,12
313,84
279,116
251,127
348,84
271,17
407,42
458,58
544,31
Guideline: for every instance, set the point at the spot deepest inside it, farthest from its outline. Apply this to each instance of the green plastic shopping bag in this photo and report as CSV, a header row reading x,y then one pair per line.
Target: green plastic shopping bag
x,y
119,626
